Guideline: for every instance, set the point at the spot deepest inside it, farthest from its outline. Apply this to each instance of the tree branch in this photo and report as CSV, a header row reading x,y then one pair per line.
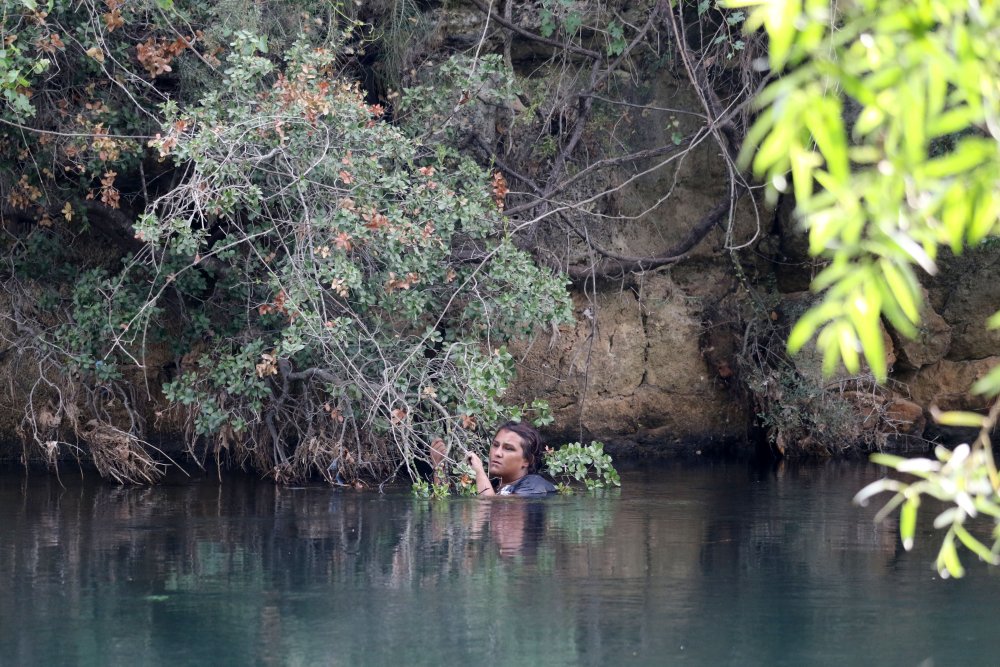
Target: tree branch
x,y
600,164
615,265
510,25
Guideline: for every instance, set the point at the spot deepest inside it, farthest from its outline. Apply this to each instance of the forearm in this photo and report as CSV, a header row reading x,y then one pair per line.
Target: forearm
x,y
483,486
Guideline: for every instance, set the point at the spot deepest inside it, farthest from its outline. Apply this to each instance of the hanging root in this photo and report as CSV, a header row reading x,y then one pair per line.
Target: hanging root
x,y
119,455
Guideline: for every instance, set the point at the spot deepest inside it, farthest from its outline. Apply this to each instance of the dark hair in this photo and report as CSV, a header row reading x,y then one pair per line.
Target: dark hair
x,y
531,442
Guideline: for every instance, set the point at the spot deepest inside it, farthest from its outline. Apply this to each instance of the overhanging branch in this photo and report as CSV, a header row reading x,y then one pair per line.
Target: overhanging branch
x,y
615,265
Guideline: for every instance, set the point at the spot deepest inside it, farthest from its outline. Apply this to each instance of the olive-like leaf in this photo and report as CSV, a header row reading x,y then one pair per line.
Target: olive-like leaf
x,y
958,418
948,563
974,545
908,521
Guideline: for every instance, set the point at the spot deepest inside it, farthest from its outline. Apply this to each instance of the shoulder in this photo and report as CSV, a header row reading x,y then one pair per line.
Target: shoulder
x,y
532,485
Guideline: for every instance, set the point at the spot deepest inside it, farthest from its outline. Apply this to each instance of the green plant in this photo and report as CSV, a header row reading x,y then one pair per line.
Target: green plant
x,y
464,478
965,479
449,103
878,190
584,464
331,287
886,119
562,15
17,67
730,25
339,230
429,490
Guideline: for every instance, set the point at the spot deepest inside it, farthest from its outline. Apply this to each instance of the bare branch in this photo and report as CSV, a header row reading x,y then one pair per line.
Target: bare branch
x,y
510,25
615,265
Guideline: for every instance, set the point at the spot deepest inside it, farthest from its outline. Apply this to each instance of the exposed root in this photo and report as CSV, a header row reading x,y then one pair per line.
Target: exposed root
x,y
797,415
120,455
64,412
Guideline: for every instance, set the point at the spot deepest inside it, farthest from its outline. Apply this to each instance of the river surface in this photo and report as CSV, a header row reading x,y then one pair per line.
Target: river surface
x,y
688,564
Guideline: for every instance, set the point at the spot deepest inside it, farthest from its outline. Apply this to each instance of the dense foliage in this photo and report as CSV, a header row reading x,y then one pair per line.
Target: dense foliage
x,y
887,118
333,291
885,121
276,228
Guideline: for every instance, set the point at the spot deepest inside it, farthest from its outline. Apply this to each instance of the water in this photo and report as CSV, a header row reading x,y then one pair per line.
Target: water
x,y
708,564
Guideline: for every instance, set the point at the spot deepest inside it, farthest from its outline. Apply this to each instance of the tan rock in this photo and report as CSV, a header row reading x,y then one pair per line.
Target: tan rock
x,y
624,369
931,344
905,416
946,384
973,297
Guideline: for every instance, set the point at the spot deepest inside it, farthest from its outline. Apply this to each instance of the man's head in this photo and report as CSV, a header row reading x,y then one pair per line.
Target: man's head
x,y
530,440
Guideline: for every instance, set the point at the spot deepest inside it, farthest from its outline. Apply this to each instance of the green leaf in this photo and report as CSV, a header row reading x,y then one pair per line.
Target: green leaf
x,y
969,154
871,119
916,252
950,122
863,315
802,332
827,128
781,29
758,131
893,313
823,227
937,87
913,115
803,162
989,384
948,563
876,487
838,269
955,212
889,507
573,23
887,460
958,418
974,545
984,218
987,507
773,152
904,287
908,521
848,343
897,320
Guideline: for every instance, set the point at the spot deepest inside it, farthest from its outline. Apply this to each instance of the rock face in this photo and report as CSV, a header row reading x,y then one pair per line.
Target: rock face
x,y
648,365
952,349
966,293
932,343
640,367
946,384
633,371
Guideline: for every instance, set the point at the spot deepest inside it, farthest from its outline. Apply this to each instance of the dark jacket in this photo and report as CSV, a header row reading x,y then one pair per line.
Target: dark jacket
x,y
529,485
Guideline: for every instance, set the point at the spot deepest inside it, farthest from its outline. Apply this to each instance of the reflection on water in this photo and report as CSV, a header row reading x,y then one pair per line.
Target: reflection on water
x,y
711,564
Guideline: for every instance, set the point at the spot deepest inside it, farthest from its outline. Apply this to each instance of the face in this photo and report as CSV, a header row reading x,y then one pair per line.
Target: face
x,y
507,459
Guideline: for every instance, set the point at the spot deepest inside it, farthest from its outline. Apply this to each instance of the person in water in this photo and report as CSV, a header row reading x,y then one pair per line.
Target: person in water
x,y
515,455
514,458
